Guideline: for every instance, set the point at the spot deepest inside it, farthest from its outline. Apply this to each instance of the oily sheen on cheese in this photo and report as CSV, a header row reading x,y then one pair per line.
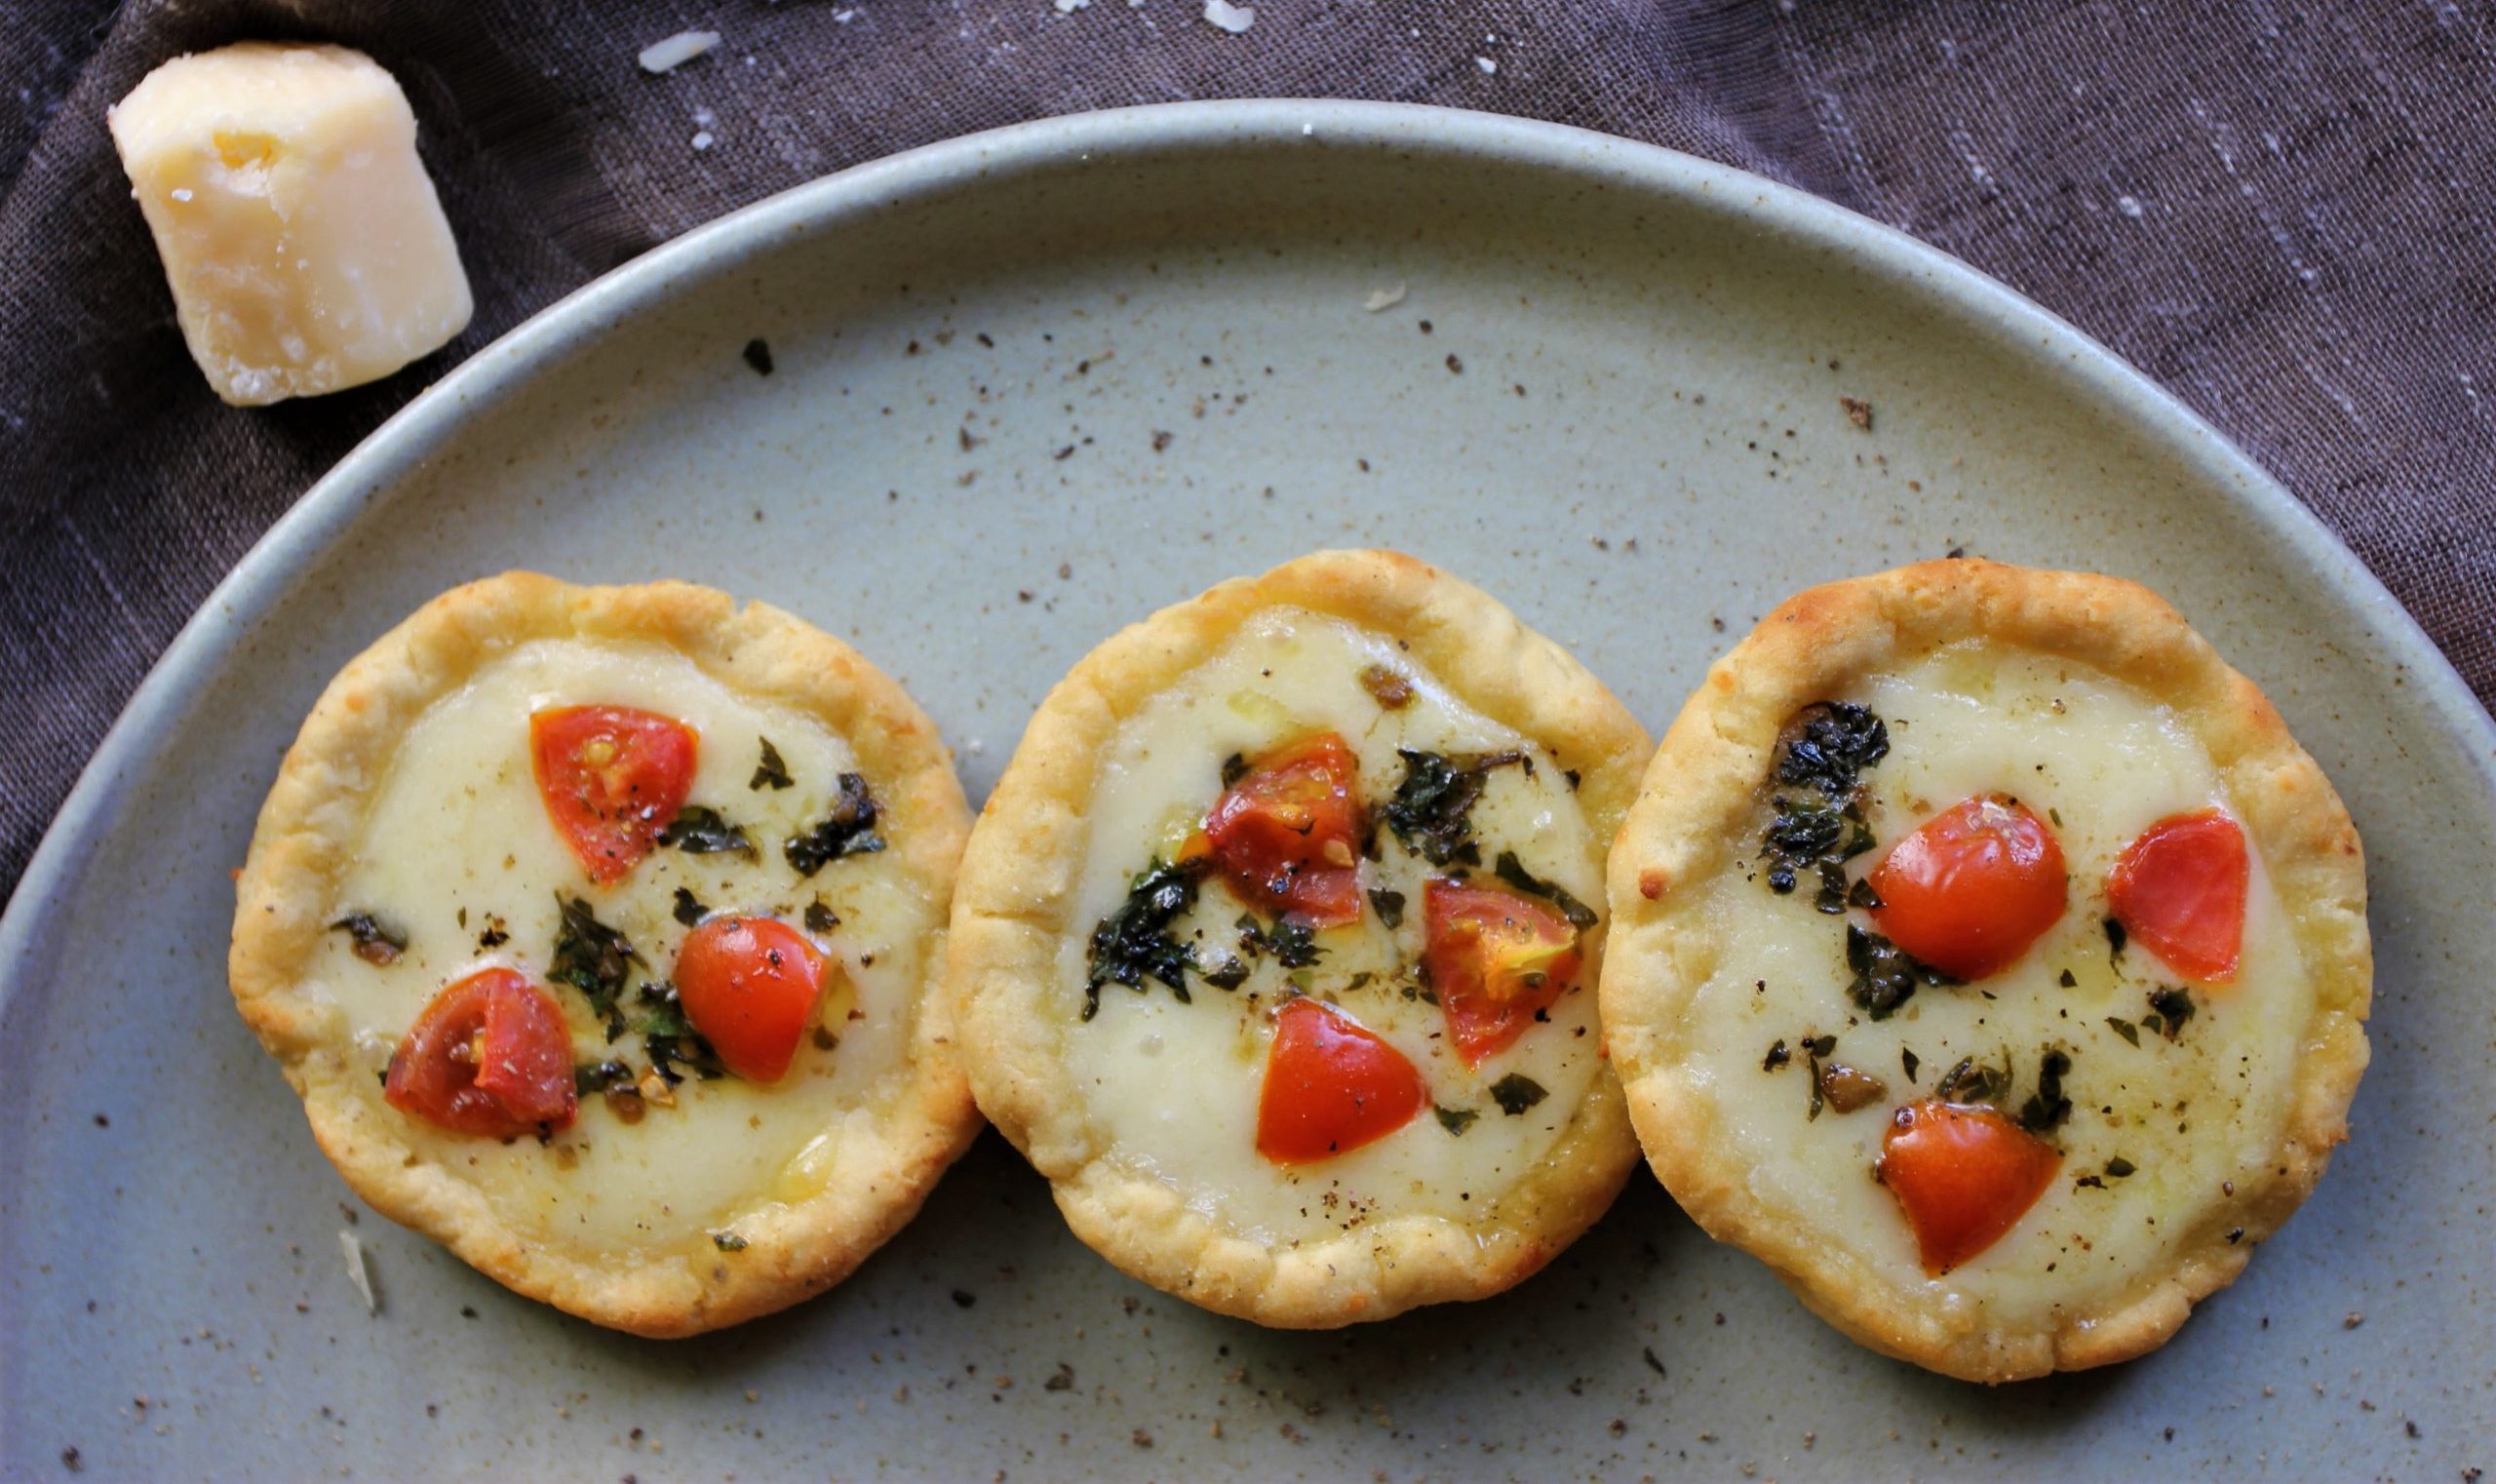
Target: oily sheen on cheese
x,y
1173,1088
456,847
2188,1115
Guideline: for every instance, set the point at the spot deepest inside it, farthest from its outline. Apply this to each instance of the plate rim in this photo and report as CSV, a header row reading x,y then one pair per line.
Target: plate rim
x,y
468,390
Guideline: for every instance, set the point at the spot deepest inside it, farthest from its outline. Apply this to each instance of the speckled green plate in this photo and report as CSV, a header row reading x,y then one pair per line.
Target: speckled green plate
x,y
1028,387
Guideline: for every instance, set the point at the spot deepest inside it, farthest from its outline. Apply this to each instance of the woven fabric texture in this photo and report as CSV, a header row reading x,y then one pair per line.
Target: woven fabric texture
x,y
2281,212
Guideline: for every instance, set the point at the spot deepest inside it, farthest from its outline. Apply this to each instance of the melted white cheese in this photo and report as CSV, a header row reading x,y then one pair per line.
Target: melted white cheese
x,y
456,841
1174,1087
2100,762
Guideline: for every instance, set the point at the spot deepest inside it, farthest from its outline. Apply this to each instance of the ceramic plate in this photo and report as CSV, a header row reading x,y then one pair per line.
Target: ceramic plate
x,y
1025,388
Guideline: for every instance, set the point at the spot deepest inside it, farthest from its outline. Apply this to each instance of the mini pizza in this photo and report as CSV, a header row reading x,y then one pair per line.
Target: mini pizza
x,y
596,928
1990,962
1274,949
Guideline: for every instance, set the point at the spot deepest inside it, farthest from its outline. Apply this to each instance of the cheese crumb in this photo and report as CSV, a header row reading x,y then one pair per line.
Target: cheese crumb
x,y
300,235
1383,299
352,1247
1486,65
661,58
1223,15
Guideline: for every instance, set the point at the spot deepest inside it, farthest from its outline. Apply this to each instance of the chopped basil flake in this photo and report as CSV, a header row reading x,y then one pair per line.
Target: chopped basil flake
x,y
699,831
375,942
2116,937
1390,907
2124,1029
671,1040
770,772
2119,1167
1432,809
1777,1056
1516,1092
1456,1121
1886,977
1234,769
727,1241
847,828
1228,974
1909,1060
1512,871
689,910
593,959
1133,943
820,919
1827,747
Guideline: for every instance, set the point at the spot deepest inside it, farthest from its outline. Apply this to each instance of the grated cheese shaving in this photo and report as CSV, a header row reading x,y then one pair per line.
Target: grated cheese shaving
x,y
352,1247
661,58
1223,15
1383,299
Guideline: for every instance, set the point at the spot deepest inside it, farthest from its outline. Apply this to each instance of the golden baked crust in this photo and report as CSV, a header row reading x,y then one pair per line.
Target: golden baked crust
x,y
1013,912
1689,826
287,896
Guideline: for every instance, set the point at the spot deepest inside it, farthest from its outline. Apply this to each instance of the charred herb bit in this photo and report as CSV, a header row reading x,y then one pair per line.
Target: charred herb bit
x,y
820,919
1133,943
727,1241
1777,1056
689,910
1390,907
593,959
699,831
2124,1029
757,354
1862,895
2116,938
1816,1047
2120,1167
848,828
1230,974
1908,1059
1516,1092
770,772
497,932
2173,1006
1828,745
598,1077
2046,1107
1973,1081
1512,871
2068,980
1390,690
1846,1089
1432,811
375,942
1886,977
1456,1121
671,1040
1234,769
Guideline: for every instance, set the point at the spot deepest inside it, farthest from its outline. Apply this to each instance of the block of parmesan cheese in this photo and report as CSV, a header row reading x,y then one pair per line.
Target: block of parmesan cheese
x,y
306,249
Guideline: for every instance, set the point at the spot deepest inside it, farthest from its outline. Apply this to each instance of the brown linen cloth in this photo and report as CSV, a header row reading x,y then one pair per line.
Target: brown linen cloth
x,y
2281,211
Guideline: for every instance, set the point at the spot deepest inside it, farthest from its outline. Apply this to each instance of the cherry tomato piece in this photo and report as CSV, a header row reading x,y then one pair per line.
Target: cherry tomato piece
x,y
1964,1175
1971,888
1331,1087
749,985
1496,958
490,1055
1288,833
611,779
2179,890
